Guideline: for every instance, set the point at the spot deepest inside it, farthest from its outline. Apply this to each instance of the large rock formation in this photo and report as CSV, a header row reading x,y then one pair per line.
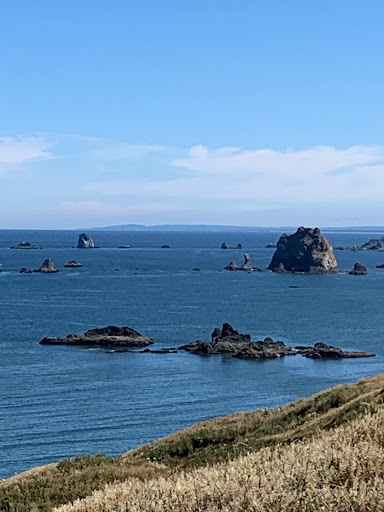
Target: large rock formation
x,y
305,251
85,241
24,245
110,336
375,244
358,270
48,267
247,265
324,351
229,341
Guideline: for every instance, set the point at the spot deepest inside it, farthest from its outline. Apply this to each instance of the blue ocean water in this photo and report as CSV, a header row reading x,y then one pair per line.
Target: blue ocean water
x,y
57,402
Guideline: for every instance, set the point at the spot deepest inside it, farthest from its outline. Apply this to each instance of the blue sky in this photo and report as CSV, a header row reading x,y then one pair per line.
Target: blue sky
x,y
222,112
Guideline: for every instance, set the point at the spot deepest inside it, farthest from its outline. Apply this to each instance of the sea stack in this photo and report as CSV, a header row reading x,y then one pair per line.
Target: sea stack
x,y
85,241
306,251
358,270
48,267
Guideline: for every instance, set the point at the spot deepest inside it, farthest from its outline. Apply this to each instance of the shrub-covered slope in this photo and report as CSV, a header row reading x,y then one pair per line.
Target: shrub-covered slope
x,y
323,448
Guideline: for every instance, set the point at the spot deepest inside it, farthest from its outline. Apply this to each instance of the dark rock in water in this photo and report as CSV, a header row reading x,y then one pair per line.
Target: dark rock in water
x,y
271,246
110,336
196,269
247,266
375,244
380,266
159,351
339,248
239,246
73,264
229,341
224,245
25,270
232,266
124,247
85,241
324,351
306,251
165,246
47,267
358,270
1,267
24,245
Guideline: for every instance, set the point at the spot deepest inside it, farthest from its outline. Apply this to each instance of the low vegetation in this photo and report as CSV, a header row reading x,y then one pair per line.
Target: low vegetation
x,y
321,453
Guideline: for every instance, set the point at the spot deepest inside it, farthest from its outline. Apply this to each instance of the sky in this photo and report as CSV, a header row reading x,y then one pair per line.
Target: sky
x,y
254,113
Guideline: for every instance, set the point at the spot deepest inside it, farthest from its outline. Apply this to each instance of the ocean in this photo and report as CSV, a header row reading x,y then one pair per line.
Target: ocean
x,y
58,401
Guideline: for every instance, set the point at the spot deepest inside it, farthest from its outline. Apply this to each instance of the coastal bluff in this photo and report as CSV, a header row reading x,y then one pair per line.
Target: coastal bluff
x,y
110,336
306,251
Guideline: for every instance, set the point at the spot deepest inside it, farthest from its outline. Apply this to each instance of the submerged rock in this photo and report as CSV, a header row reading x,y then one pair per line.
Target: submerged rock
x,y
224,245
85,241
358,270
165,246
48,267
380,266
324,351
110,336
247,266
305,251
229,341
24,245
73,264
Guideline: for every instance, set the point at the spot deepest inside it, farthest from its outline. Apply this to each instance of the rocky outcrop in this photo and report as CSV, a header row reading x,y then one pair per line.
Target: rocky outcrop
x,y
306,251
110,336
375,244
73,264
85,241
48,267
358,270
229,341
324,351
25,270
246,266
24,245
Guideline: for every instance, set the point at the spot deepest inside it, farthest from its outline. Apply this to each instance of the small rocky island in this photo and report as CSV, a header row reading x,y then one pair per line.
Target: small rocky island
x,y
73,264
24,245
229,341
48,267
358,270
375,244
324,351
85,241
110,336
306,251
246,266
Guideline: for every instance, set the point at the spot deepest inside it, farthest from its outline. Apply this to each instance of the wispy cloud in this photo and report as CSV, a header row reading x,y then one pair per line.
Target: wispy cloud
x,y
15,152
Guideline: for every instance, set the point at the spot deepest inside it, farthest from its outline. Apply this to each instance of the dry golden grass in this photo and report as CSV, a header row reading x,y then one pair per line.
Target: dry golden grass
x,y
341,470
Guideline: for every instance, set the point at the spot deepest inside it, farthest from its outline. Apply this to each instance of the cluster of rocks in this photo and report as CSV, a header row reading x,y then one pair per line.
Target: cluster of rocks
x,y
223,341
48,267
229,341
225,246
110,336
375,244
246,266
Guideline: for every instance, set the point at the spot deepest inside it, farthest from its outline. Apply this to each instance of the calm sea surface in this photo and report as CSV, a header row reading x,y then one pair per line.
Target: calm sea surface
x,y
62,401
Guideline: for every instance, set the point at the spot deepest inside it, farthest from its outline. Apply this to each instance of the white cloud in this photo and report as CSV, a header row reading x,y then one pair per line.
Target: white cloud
x,y
314,175
15,152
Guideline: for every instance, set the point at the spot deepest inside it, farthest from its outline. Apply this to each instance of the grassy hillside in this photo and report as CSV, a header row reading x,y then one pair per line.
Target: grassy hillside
x,y
322,452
